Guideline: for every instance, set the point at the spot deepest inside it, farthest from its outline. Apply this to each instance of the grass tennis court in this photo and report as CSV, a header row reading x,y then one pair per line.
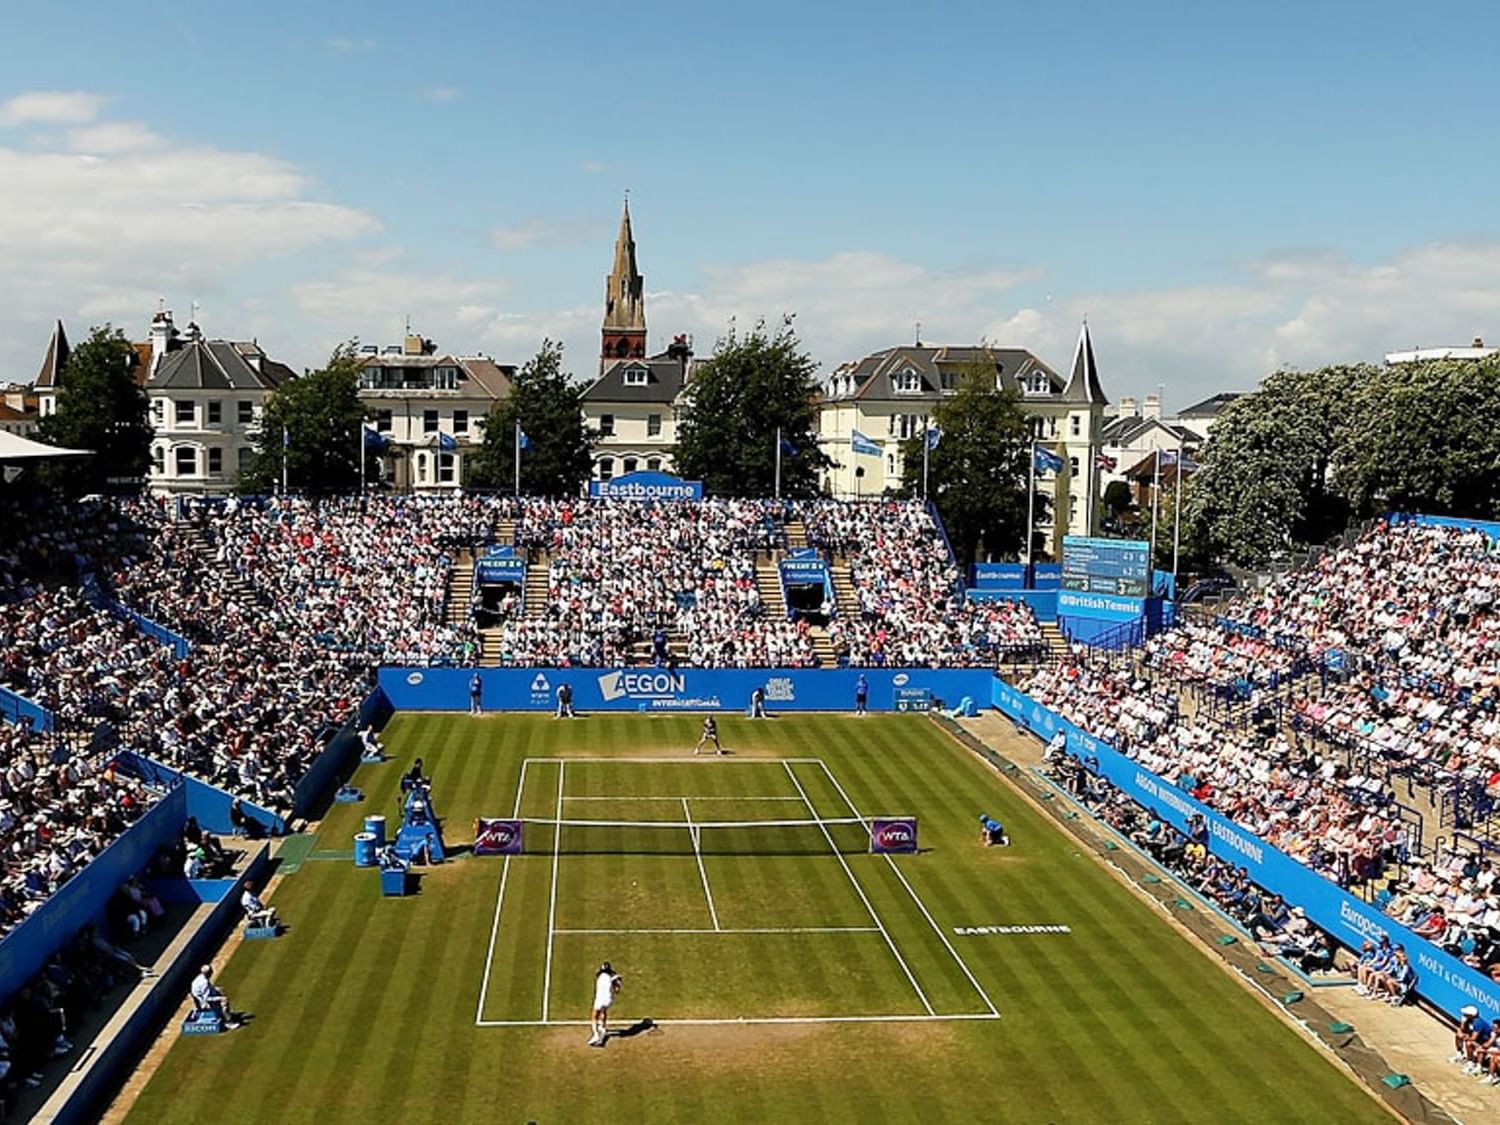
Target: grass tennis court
x,y
790,974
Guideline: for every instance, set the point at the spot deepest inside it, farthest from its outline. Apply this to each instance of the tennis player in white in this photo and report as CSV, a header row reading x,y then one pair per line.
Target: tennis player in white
x,y
606,987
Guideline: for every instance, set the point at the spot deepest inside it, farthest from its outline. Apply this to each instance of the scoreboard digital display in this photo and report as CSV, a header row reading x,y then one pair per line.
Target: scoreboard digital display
x,y
1106,566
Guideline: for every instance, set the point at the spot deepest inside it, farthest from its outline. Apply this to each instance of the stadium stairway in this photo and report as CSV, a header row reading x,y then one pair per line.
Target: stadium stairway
x,y
489,647
768,582
796,533
203,546
846,601
1057,644
505,531
535,594
823,647
460,587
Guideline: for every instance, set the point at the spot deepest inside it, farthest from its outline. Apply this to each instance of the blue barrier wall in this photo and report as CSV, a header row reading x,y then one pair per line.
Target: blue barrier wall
x,y
208,803
1489,527
661,690
1443,980
177,643
82,898
342,749
17,707
1043,603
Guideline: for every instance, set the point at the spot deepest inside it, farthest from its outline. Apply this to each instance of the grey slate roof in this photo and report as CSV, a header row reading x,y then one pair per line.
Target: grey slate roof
x,y
1083,382
58,351
1125,431
216,365
664,381
1211,406
875,375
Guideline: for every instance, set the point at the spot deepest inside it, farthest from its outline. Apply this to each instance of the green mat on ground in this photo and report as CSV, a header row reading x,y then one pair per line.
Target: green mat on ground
x,y
1291,997
1396,1081
1111,846
291,853
1339,1027
1228,939
1150,878
1264,968
1182,904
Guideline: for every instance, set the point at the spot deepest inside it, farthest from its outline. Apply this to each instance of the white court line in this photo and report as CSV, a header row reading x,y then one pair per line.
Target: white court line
x,y
703,871
687,757
905,968
922,906
755,930
552,909
489,957
678,797
750,1020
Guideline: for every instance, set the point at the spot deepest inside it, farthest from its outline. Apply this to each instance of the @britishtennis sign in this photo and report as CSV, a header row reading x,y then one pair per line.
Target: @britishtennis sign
x,y
893,835
497,837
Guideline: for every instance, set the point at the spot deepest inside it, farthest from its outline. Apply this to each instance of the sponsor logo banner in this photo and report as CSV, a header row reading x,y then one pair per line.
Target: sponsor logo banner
x,y
646,486
497,837
893,835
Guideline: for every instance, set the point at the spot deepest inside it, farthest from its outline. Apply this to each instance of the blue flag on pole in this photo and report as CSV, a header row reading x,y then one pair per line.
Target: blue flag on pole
x,y
1046,461
447,443
787,448
934,435
286,438
375,441
522,441
863,445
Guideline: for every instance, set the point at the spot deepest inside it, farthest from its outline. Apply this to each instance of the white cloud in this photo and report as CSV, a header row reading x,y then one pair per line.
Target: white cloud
x,y
51,107
593,167
108,215
441,93
350,45
538,231
113,137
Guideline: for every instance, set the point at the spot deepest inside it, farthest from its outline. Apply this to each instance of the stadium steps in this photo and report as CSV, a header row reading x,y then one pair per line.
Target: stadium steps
x,y
796,533
535,594
823,647
489,646
1057,644
846,601
460,587
505,531
768,582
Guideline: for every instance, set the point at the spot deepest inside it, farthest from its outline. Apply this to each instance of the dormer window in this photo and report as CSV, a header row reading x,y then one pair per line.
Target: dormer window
x,y
908,382
635,376
1038,383
445,378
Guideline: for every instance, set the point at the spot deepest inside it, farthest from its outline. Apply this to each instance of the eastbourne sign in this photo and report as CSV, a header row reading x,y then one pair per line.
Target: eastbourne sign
x,y
646,486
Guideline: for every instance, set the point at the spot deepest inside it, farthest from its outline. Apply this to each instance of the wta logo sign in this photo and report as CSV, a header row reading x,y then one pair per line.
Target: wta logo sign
x,y
497,837
893,835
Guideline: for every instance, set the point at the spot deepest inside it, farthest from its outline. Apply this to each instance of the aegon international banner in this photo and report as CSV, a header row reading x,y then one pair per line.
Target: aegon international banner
x,y
646,486
665,690
1442,979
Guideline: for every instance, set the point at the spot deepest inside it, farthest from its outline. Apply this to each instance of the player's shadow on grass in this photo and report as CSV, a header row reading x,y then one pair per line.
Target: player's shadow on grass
x,y
640,1027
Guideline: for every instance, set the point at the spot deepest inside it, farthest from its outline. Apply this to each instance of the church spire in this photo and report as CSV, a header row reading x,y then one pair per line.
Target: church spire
x,y
624,332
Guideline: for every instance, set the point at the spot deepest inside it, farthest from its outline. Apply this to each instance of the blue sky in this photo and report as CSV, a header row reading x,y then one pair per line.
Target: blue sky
x,y
1220,188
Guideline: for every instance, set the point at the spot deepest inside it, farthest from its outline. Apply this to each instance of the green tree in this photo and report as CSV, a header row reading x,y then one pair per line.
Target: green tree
x,y
320,415
1266,480
753,386
100,407
977,473
547,404
1428,440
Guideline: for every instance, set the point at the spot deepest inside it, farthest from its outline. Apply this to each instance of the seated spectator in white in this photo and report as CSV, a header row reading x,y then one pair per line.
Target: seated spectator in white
x,y
208,997
257,913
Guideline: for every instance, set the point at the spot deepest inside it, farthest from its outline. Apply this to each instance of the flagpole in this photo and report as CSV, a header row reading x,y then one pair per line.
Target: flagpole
x,y
1030,505
926,443
518,458
1177,513
286,444
778,462
361,456
1155,505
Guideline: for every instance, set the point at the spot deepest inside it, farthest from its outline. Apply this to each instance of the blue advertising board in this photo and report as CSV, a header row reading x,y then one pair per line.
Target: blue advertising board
x,y
1442,979
665,690
1105,607
646,486
1118,567
491,571
999,576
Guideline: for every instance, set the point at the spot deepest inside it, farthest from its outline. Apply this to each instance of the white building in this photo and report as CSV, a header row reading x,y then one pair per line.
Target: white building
x,y
430,406
206,401
889,396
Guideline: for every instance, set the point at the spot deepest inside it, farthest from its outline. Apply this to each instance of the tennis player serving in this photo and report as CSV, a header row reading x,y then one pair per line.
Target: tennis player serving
x,y
607,984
